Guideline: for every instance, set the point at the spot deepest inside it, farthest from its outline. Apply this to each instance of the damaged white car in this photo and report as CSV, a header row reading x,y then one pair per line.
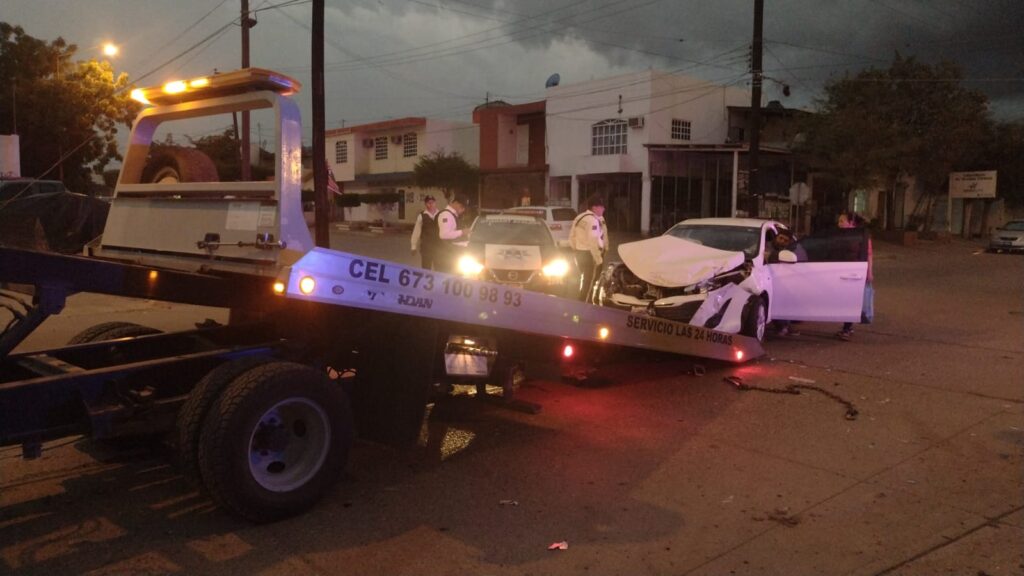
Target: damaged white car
x,y
715,272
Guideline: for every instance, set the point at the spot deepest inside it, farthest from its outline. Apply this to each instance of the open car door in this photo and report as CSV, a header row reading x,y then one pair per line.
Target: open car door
x,y
829,285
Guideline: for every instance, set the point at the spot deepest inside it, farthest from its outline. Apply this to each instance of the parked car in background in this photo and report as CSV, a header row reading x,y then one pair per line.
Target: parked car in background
x,y
518,250
558,219
1010,237
722,273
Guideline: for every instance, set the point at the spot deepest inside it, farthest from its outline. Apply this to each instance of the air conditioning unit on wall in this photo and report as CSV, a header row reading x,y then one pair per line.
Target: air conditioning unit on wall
x,y
368,143
396,140
636,122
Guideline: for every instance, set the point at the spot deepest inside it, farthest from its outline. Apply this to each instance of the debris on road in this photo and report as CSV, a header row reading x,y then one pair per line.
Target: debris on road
x,y
508,502
563,545
801,380
851,410
781,516
735,381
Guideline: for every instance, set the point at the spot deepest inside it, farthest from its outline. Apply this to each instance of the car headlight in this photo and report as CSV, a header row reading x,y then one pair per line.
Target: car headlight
x,y
469,266
557,268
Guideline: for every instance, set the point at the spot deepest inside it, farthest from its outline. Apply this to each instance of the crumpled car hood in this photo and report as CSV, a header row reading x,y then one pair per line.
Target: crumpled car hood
x,y
672,262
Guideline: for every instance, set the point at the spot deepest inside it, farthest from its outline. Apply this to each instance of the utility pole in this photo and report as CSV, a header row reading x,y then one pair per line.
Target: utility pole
x,y
753,179
323,231
247,23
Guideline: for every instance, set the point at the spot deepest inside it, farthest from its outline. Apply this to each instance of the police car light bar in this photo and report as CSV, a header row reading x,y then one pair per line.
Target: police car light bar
x,y
236,82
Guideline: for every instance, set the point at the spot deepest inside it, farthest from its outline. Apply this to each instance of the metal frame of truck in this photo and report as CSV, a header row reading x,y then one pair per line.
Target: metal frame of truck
x,y
263,410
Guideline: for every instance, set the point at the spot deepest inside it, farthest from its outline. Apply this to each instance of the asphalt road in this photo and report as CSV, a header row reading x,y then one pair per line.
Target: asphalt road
x,y
660,471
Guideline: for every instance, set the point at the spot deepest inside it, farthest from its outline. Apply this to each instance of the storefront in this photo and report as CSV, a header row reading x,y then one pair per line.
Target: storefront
x,y
704,181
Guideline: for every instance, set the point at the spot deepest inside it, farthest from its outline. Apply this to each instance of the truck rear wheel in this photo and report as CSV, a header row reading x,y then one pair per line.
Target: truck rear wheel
x,y
193,412
274,441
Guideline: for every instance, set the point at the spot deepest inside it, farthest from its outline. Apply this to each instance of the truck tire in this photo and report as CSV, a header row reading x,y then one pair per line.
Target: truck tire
x,y
193,412
111,331
173,165
274,441
755,318
391,390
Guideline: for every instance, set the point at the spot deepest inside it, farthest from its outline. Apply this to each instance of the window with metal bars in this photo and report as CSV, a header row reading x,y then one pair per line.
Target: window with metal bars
x,y
409,147
341,152
608,137
380,148
680,129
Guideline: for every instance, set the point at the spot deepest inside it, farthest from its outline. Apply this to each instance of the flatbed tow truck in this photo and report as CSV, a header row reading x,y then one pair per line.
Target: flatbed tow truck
x,y
262,410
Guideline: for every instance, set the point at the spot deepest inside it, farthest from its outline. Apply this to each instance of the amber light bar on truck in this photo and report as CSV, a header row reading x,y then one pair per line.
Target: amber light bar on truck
x,y
227,83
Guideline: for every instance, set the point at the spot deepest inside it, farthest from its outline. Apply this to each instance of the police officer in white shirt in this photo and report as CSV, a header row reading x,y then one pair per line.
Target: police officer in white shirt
x,y
588,239
450,233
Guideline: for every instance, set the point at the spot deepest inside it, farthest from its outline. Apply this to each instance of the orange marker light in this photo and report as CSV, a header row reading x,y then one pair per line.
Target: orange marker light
x,y
139,96
278,287
176,87
603,333
153,275
739,355
307,285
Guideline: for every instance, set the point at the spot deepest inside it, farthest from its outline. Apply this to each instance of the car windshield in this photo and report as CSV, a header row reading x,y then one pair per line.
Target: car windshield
x,y
732,238
1017,225
488,231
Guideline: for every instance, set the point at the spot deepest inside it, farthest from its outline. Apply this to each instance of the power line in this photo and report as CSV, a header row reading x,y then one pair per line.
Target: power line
x,y
216,33
343,50
507,38
824,50
415,49
903,13
182,33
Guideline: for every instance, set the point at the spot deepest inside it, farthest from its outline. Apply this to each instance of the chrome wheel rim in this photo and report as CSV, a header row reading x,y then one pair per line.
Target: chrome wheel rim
x,y
289,445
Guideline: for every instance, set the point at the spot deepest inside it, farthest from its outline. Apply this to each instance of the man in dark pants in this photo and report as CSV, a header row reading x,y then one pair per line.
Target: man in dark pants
x,y
450,234
588,239
424,234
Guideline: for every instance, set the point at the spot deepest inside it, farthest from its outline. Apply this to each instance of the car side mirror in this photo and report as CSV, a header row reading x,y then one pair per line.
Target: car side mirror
x,y
787,256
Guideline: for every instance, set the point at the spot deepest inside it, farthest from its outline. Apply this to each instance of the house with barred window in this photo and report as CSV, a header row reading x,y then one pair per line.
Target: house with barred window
x,y
377,160
662,147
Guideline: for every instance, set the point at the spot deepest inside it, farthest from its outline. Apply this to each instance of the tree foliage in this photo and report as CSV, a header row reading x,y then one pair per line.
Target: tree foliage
x,y
449,172
880,126
1004,153
58,105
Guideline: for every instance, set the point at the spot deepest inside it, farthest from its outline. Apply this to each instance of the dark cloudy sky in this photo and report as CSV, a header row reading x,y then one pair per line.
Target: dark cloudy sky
x,y
439,58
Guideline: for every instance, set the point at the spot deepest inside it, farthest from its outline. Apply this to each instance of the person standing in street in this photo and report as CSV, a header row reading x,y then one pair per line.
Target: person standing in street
x,y
450,234
588,239
424,235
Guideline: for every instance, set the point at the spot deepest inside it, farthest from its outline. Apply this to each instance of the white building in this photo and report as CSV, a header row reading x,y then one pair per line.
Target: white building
x,y
659,147
378,158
